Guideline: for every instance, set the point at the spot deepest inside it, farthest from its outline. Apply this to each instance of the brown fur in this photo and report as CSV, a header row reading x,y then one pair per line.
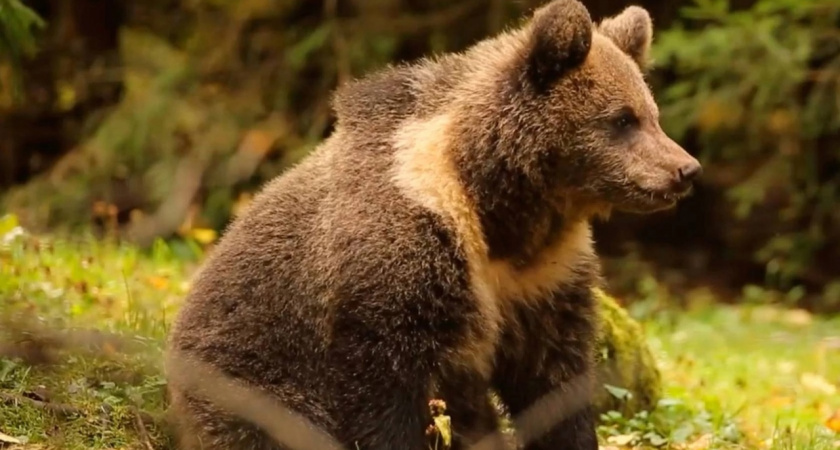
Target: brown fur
x,y
438,243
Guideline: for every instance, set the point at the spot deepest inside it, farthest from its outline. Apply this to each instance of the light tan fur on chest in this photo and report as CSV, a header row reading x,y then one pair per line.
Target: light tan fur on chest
x,y
425,172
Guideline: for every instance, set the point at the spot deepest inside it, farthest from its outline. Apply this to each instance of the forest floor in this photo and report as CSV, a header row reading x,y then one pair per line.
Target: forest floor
x,y
749,376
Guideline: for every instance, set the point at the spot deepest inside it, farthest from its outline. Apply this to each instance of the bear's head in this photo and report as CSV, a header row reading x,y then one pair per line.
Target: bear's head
x,y
578,118
590,79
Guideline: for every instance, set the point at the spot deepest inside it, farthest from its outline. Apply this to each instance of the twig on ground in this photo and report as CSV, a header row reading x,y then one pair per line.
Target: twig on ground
x,y
59,409
141,429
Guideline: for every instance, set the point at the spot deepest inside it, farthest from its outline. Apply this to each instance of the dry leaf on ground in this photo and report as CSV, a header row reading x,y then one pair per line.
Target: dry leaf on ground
x,y
833,422
6,439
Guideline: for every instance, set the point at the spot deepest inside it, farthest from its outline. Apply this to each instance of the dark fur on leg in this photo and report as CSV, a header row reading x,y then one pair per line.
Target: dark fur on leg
x,y
474,418
554,374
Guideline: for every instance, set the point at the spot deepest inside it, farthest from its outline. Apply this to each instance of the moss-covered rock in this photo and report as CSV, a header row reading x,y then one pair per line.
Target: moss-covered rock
x,y
628,379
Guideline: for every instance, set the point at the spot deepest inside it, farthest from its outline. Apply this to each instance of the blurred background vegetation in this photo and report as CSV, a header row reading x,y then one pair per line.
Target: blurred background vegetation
x,y
155,119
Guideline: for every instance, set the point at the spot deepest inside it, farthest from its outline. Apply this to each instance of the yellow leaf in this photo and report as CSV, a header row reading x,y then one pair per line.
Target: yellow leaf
x,y
444,427
777,401
833,422
798,317
817,383
203,235
66,97
159,283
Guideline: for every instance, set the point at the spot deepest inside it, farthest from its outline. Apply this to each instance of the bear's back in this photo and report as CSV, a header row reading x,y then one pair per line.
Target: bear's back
x,y
314,242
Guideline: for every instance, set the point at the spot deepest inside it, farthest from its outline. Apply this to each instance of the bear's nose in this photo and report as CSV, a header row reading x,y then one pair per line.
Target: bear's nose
x,y
689,172
686,175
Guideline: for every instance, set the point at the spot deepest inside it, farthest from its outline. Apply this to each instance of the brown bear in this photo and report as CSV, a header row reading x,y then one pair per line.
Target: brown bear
x,y
438,243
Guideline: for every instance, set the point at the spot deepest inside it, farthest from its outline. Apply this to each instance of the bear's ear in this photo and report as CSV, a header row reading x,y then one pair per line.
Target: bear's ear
x,y
631,31
560,40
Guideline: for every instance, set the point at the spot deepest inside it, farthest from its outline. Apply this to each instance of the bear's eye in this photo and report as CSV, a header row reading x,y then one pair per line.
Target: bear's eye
x,y
625,119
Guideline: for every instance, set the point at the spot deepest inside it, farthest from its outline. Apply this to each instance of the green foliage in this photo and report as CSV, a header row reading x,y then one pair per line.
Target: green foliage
x,y
758,90
737,377
671,423
17,39
200,122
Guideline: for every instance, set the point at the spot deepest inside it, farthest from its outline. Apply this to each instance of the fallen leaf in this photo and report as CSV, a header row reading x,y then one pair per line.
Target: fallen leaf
x,y
702,443
159,283
618,392
786,366
6,439
622,439
817,383
777,401
798,317
833,422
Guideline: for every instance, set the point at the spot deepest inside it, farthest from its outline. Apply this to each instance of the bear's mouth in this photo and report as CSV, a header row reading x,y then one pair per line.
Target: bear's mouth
x,y
653,200
671,195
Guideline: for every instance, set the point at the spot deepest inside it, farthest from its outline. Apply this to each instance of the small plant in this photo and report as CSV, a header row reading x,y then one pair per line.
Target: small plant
x,y
672,423
440,430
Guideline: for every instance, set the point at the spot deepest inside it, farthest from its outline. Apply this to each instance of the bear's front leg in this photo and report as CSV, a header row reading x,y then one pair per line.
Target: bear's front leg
x,y
380,392
545,371
474,418
384,356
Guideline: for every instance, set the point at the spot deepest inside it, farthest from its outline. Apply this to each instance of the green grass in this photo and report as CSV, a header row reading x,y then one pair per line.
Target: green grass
x,y
735,377
745,377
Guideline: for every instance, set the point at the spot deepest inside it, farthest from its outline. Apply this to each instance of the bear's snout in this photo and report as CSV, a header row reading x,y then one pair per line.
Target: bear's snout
x,y
677,166
685,176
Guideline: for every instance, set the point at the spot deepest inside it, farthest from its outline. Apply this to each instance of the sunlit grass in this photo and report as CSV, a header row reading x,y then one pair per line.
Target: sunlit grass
x,y
774,371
